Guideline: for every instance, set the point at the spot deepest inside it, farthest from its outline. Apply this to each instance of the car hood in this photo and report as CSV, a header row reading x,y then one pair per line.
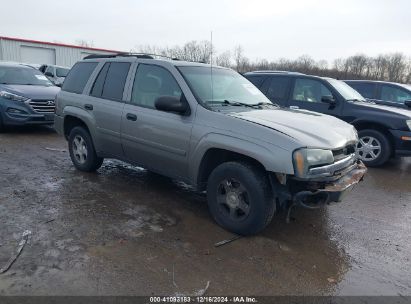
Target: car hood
x,y
32,91
310,129
391,109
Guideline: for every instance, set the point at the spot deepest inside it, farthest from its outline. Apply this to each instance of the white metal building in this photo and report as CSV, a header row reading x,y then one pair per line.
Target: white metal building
x,y
41,52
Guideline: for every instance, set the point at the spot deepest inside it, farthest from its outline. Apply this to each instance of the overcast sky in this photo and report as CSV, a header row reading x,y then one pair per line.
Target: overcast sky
x,y
266,29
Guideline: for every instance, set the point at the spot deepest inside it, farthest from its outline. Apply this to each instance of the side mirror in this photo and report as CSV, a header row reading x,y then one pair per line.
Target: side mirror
x,y
50,74
328,99
407,103
59,84
172,104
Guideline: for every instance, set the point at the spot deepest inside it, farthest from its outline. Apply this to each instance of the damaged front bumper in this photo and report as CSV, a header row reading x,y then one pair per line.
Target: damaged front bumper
x,y
313,194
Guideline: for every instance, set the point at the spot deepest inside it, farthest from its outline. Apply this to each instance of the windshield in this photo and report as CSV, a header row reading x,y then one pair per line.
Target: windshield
x,y
22,76
347,92
226,86
406,86
62,72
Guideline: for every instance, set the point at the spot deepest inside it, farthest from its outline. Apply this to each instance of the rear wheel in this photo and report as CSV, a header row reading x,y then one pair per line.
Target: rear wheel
x,y
82,152
240,198
373,148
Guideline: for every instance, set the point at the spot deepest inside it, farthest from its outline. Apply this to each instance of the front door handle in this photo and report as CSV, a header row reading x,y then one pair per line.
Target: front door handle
x,y
131,117
294,107
88,107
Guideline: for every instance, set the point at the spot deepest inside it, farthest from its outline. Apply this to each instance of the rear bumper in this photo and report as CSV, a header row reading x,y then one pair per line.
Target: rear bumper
x,y
402,142
331,191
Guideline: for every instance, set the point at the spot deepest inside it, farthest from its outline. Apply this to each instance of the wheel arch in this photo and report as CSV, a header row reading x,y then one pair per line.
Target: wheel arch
x,y
363,125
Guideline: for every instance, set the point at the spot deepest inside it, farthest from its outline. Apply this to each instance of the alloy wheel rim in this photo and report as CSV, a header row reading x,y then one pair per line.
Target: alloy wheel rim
x,y
368,148
80,149
233,199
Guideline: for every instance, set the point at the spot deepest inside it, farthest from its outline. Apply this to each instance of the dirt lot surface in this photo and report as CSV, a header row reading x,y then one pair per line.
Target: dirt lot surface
x,y
125,231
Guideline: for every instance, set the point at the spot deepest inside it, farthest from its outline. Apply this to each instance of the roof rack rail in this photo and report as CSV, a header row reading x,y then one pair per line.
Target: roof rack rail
x,y
137,55
276,72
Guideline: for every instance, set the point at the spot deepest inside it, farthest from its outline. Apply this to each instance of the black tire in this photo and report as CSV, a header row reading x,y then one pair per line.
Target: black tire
x,y
259,197
90,162
382,154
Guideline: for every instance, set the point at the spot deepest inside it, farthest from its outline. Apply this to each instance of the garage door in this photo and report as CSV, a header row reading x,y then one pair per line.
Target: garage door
x,y
31,54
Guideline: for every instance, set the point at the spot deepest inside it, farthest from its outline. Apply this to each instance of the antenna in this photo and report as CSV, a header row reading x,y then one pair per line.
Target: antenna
x,y
211,68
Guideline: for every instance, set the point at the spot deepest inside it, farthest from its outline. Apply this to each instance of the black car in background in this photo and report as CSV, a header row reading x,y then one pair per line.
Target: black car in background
x,y
384,131
26,96
381,92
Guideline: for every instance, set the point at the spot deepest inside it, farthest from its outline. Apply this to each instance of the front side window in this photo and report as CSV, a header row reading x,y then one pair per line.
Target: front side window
x,y
22,76
309,90
77,79
151,82
62,72
111,80
390,93
50,69
216,86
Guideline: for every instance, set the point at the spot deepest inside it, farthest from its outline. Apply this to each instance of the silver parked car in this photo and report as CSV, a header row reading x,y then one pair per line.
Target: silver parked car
x,y
56,74
211,128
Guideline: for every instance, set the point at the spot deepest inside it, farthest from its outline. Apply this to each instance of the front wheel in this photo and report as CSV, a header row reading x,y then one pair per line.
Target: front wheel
x,y
240,198
82,152
373,148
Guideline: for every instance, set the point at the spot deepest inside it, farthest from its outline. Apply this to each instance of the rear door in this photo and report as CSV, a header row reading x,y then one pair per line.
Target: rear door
x,y
157,140
306,93
106,104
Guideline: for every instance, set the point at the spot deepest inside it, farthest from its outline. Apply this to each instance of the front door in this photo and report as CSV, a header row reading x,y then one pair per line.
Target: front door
x,y
157,140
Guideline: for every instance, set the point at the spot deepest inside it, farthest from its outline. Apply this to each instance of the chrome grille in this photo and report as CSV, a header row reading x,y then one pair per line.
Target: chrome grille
x,y
43,106
343,153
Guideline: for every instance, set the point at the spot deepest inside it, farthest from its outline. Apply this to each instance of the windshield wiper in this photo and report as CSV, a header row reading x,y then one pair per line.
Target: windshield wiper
x,y
250,105
357,100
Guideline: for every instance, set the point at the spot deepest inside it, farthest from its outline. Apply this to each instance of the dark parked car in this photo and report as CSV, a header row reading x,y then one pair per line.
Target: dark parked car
x,y
386,93
384,131
26,96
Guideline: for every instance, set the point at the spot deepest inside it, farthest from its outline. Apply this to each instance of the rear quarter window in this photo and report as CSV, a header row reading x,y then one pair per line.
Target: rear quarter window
x,y
78,76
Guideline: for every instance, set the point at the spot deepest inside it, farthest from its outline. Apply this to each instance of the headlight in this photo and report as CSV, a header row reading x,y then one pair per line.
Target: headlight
x,y
408,122
11,96
306,158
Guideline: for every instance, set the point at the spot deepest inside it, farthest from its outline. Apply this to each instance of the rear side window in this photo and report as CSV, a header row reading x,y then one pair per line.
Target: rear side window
x,y
278,88
365,89
110,81
78,77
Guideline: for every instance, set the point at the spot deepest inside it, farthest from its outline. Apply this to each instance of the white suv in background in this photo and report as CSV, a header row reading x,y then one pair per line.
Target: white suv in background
x,y
55,73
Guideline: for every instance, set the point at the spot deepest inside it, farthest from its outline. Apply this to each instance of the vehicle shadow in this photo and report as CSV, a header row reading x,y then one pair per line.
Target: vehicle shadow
x,y
26,130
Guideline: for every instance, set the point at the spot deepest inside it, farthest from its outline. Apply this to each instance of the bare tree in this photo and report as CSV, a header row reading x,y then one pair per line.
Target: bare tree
x,y
392,67
84,43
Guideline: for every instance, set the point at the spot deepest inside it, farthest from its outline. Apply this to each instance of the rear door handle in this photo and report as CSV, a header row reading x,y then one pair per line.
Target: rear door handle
x,y
88,107
131,117
294,107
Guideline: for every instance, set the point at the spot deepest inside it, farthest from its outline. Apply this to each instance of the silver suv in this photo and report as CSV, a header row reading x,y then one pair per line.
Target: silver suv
x,y
209,127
